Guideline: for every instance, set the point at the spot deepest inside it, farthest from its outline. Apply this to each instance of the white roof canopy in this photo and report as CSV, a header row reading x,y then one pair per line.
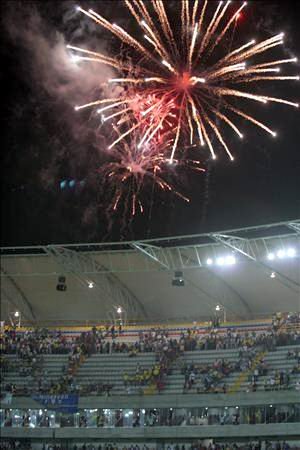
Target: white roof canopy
x,y
251,272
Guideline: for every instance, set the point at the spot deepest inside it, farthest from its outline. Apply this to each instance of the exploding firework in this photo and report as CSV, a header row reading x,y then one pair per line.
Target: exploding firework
x,y
181,80
132,169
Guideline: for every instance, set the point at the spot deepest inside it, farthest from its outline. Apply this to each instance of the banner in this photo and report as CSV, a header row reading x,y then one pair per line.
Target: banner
x,y
67,403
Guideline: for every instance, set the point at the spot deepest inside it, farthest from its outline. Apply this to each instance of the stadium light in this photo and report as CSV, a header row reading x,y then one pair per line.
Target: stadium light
x,y
230,260
273,275
280,254
291,252
226,260
220,261
220,308
17,314
119,310
91,284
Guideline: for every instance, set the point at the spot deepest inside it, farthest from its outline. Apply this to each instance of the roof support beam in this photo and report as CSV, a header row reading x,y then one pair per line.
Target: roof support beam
x,y
237,244
228,286
21,293
79,264
153,253
233,290
243,246
294,226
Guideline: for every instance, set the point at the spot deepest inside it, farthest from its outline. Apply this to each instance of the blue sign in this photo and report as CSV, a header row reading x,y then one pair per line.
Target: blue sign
x,y
67,403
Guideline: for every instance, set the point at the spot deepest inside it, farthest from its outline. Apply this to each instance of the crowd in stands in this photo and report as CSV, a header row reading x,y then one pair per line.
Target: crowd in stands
x,y
37,342
263,445
43,341
211,378
167,351
208,376
31,346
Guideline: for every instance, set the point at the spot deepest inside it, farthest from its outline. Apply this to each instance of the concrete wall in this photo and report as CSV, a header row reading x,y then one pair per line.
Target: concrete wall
x,y
291,430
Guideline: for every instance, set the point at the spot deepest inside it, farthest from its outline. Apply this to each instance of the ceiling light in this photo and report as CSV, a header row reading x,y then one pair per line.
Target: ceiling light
x,y
17,314
273,275
209,261
218,308
119,310
220,261
91,284
271,256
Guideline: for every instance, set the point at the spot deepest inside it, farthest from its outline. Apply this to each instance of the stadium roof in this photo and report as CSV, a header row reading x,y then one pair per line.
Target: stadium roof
x,y
250,272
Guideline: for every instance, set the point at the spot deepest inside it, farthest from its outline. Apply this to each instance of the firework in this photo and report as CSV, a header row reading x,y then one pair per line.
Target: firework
x,y
132,169
182,82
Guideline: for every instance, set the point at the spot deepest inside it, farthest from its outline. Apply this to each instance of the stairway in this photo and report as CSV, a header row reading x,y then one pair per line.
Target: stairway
x,y
244,375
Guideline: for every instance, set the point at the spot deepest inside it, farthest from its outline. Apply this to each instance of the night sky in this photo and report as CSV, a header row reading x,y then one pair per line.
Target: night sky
x,y
45,142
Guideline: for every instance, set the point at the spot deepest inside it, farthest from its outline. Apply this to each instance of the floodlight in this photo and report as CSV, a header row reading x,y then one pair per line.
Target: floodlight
x,y
61,285
178,282
209,261
17,314
291,252
281,253
220,261
91,284
119,310
271,256
230,259
178,279
218,308
273,275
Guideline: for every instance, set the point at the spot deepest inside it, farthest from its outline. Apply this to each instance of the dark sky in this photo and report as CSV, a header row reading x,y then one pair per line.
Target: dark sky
x,y
44,141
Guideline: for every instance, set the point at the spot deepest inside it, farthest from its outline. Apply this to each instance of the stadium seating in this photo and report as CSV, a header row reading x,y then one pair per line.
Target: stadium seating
x,y
110,368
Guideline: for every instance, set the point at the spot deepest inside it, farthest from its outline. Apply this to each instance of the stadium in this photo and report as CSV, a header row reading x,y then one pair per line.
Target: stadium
x,y
150,296
222,366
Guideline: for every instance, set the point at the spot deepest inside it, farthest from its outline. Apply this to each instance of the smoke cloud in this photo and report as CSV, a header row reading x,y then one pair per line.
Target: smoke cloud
x,y
49,62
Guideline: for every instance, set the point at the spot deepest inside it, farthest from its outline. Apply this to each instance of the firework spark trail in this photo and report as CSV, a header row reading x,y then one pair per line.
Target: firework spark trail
x,y
249,80
251,119
224,118
131,169
218,20
207,35
194,13
226,28
168,90
192,46
219,136
119,32
160,9
98,102
196,119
